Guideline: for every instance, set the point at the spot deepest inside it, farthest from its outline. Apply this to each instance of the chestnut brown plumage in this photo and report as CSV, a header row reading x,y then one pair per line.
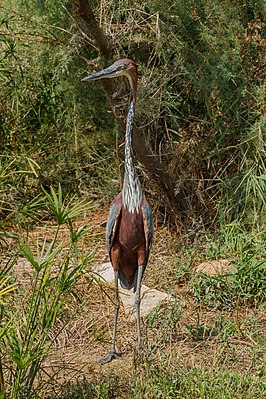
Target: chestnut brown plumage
x,y
129,228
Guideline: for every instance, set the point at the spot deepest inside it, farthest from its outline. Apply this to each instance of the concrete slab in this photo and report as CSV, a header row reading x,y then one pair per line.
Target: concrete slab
x,y
150,297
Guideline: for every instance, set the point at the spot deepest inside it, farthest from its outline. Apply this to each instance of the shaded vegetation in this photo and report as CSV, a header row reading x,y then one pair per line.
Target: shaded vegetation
x,y
201,99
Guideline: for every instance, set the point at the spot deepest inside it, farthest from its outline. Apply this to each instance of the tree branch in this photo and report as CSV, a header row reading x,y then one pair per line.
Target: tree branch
x,y
94,30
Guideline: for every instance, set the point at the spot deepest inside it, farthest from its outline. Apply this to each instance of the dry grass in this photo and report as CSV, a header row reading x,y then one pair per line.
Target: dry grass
x,y
188,335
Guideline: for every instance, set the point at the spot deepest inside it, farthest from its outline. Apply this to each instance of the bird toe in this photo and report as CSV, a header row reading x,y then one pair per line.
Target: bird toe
x,y
111,356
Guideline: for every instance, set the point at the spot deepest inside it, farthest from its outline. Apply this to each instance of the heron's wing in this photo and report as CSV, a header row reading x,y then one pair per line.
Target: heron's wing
x,y
148,228
112,224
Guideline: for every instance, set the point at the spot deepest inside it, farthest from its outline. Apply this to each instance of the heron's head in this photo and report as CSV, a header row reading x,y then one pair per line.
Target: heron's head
x,y
124,67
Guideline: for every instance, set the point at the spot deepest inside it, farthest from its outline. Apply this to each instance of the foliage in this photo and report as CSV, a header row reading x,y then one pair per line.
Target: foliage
x,y
28,330
201,97
45,131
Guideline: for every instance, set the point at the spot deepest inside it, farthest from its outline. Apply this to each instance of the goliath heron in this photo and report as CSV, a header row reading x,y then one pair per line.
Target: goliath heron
x,y
129,228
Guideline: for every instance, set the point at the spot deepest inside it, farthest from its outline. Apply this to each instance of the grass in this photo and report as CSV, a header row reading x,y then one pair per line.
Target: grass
x,y
159,383
245,281
210,342
196,383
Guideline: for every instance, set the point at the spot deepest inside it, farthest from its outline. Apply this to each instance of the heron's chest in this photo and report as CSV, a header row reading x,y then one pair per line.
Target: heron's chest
x,y
131,231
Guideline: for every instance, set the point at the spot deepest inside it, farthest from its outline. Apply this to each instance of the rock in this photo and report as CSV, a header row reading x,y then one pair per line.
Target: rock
x,y
215,267
150,297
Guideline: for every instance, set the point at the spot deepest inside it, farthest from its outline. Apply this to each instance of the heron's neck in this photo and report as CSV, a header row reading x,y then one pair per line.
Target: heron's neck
x,y
131,194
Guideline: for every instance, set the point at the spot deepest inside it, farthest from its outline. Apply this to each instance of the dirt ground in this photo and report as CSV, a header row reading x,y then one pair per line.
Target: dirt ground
x,y
189,335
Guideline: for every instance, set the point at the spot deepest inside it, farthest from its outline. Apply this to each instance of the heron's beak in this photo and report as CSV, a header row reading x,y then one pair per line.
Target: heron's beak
x,y
110,72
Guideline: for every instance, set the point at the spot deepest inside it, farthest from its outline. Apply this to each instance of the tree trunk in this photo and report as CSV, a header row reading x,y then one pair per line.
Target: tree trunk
x,y
174,204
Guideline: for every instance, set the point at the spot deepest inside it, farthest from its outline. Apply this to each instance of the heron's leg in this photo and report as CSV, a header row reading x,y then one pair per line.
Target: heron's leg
x,y
137,304
113,354
117,306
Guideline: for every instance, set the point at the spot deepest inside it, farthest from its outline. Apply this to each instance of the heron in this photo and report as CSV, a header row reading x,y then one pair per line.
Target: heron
x,y
129,227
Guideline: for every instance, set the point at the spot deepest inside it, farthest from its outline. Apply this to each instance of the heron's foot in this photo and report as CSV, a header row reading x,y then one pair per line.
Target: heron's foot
x,y
111,356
